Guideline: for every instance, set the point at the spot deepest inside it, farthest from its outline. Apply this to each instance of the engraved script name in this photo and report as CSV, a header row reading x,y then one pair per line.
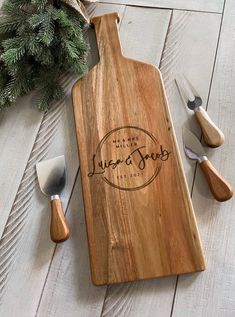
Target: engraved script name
x,y
138,156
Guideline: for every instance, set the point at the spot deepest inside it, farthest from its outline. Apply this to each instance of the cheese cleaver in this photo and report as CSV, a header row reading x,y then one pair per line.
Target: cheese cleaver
x,y
220,189
51,177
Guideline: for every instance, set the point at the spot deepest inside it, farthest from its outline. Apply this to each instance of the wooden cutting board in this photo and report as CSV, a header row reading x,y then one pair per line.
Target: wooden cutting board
x,y
139,216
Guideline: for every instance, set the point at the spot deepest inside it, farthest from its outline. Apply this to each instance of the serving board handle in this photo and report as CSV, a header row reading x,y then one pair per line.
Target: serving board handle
x,y
107,36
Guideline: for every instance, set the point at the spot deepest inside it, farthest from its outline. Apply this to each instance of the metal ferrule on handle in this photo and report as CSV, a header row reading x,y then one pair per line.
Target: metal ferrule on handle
x,y
53,197
202,159
198,108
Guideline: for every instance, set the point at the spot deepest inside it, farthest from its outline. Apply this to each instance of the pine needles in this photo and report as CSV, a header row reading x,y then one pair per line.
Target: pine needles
x,y
38,43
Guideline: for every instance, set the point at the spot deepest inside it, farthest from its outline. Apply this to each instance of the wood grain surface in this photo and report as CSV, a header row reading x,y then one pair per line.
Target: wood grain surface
x,y
139,215
40,279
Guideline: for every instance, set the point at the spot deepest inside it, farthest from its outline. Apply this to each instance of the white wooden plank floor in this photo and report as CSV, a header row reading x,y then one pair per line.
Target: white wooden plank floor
x,y
215,6
38,278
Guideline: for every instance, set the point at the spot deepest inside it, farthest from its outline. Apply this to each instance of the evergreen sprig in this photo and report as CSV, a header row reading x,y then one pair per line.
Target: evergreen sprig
x,y
38,43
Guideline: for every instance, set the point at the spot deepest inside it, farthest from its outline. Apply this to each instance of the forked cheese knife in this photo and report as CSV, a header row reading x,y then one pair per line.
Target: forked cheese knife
x,y
51,177
220,189
212,135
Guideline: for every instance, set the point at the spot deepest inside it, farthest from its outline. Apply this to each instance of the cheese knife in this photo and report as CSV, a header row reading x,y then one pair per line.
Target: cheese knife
x,y
212,135
51,177
220,189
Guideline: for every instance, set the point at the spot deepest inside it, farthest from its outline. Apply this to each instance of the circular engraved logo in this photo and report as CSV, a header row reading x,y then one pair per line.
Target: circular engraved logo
x,y
128,158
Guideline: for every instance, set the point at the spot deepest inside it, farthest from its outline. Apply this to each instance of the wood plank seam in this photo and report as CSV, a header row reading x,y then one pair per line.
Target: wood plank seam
x,y
160,8
122,18
170,54
216,54
165,42
44,284
197,165
122,304
214,294
105,297
14,229
174,295
194,11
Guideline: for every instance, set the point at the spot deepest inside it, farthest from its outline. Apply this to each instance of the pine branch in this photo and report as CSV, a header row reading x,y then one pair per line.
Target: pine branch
x,y
50,90
47,27
13,55
37,45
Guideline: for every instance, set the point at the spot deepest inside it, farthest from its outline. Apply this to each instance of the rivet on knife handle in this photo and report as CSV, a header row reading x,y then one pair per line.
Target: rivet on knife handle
x,y
212,135
220,189
59,226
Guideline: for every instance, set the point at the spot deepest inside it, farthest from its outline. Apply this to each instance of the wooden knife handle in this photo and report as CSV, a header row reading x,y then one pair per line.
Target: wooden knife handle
x,y
220,189
59,226
212,135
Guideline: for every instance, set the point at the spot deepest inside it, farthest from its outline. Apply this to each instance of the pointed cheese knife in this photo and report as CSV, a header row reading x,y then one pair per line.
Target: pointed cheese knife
x,y
220,189
51,177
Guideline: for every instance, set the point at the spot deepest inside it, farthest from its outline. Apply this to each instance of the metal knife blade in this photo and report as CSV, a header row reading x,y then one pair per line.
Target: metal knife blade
x,y
51,175
192,146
